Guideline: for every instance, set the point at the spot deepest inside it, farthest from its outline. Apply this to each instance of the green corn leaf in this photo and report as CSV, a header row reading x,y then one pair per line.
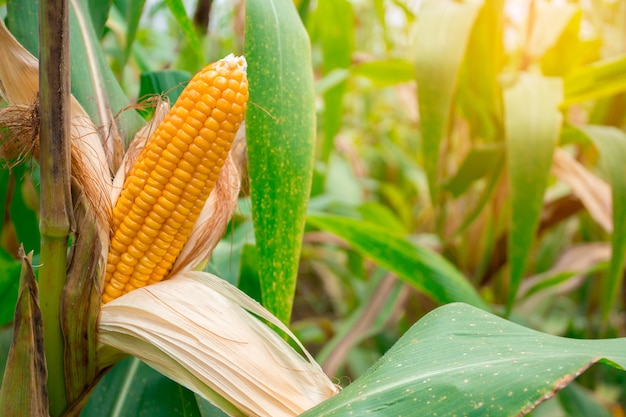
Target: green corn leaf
x,y
331,80
133,389
178,11
579,402
386,73
168,82
9,286
611,144
479,95
24,210
459,360
134,8
22,21
439,52
6,334
335,25
93,82
600,79
280,126
532,124
99,12
426,270
479,162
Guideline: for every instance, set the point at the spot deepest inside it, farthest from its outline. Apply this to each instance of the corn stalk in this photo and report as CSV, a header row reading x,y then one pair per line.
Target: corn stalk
x,y
55,223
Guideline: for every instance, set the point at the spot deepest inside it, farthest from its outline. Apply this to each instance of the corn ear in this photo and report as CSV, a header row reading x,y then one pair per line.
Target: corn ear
x,y
171,180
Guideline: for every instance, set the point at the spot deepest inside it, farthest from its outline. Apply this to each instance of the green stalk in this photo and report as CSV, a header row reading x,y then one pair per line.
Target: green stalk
x,y
54,101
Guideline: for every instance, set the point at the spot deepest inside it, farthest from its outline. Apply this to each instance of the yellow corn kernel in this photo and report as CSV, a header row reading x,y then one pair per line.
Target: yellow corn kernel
x,y
167,187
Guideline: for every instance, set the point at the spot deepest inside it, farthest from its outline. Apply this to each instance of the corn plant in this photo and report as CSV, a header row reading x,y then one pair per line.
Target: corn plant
x,y
123,301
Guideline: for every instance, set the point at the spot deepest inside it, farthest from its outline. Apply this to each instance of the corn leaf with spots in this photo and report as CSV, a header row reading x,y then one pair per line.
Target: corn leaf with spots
x,y
459,360
280,134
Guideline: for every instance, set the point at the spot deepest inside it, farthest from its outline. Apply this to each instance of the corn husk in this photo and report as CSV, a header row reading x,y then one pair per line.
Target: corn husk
x,y
19,86
26,361
161,109
206,334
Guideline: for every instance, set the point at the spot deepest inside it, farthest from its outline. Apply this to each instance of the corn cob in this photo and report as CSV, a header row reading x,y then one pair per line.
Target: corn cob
x,y
167,187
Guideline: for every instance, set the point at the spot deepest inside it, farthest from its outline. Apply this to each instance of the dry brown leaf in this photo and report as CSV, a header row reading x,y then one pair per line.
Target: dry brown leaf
x,y
19,86
407,97
594,193
577,259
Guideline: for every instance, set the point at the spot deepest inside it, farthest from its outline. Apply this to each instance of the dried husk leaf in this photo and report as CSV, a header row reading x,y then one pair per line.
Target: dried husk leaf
x,y
24,391
19,133
136,146
206,334
80,306
19,85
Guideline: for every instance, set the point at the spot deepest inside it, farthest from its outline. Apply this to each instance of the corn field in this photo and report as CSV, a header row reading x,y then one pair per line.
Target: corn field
x,y
312,208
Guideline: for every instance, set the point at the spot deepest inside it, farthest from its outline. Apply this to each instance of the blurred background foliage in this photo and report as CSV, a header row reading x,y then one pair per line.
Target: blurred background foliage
x,y
476,149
